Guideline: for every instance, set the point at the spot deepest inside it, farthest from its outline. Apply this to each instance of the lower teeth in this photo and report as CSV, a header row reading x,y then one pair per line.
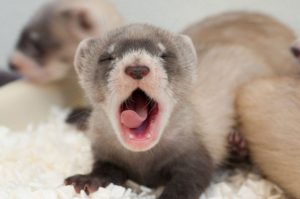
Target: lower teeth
x,y
131,137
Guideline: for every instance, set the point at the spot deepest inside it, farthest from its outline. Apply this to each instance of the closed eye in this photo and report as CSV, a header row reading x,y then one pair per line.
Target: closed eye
x,y
106,58
167,55
163,55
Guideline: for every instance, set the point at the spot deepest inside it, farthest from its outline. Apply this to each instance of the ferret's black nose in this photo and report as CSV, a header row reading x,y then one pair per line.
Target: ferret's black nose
x,y
137,72
295,51
13,67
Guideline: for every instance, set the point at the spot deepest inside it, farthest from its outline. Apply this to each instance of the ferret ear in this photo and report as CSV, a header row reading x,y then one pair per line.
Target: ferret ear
x,y
190,54
188,41
86,55
80,22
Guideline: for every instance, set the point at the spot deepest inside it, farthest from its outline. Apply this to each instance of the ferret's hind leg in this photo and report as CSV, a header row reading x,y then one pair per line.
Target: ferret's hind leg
x,y
238,150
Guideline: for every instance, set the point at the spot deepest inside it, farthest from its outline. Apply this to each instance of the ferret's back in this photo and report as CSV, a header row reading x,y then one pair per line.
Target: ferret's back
x,y
265,36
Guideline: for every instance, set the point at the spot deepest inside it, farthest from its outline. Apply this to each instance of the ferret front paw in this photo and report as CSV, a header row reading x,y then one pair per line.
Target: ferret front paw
x,y
88,183
238,150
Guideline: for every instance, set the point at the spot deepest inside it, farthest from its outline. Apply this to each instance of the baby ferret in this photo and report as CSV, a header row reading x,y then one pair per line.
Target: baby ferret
x,y
233,49
46,47
142,126
269,112
160,117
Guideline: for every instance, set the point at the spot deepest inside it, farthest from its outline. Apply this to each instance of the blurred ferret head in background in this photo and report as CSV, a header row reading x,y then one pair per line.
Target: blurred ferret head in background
x,y
45,49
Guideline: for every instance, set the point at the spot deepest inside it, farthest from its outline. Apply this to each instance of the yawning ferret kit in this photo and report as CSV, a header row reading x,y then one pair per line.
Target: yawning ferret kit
x,y
163,107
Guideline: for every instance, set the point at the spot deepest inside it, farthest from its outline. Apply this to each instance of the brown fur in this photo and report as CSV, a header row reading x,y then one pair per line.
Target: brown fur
x,y
269,114
232,49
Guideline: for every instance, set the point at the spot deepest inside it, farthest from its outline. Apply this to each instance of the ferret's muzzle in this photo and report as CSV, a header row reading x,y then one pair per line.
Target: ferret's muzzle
x,y
140,100
137,113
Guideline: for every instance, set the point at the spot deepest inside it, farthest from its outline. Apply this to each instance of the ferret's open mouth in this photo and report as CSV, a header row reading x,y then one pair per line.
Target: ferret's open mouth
x,y
139,117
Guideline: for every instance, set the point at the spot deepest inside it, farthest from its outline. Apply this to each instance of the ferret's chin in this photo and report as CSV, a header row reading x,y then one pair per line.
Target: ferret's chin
x,y
139,119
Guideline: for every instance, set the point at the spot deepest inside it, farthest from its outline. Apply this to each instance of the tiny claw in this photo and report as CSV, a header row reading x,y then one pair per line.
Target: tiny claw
x,y
77,188
243,144
86,189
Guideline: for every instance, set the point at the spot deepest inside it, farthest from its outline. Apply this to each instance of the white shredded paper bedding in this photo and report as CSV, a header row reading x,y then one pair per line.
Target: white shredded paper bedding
x,y
34,163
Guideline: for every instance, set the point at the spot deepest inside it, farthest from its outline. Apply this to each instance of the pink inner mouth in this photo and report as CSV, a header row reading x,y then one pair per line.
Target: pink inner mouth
x,y
139,120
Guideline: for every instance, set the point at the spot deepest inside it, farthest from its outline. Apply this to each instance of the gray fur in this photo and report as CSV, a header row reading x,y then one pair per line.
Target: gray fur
x,y
179,64
179,160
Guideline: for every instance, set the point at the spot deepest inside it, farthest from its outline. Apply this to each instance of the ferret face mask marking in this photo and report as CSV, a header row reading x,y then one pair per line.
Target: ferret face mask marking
x,y
137,74
41,54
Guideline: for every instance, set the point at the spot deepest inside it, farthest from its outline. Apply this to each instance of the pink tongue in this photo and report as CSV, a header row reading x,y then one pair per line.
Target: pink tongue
x,y
131,119
135,118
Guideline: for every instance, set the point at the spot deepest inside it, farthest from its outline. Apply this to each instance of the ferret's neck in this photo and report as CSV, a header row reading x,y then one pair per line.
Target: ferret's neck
x,y
182,118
